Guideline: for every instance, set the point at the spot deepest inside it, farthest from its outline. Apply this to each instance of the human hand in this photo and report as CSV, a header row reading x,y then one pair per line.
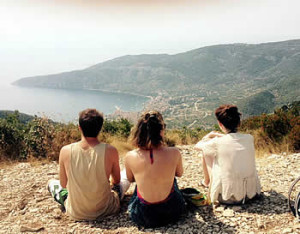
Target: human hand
x,y
214,134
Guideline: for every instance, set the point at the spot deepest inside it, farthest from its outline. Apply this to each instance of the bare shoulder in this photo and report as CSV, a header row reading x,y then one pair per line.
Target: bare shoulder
x,y
173,151
65,152
66,148
111,151
131,154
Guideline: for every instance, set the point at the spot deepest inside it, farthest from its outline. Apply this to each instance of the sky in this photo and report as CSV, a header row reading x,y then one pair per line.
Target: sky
x,y
39,37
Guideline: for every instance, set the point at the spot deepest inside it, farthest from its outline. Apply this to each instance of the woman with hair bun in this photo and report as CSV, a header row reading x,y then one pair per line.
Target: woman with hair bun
x,y
229,160
157,200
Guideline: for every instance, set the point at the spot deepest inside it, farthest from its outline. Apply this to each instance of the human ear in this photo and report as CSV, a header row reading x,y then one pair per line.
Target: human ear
x,y
222,127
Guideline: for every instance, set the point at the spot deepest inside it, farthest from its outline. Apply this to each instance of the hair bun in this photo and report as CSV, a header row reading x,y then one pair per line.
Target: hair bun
x,y
229,116
231,110
147,116
150,117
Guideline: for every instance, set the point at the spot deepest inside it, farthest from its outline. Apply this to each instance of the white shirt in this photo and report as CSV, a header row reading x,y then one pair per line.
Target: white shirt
x,y
233,174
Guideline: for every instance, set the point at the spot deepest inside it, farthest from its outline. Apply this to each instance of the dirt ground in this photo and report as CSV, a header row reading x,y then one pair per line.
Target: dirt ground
x,y
26,205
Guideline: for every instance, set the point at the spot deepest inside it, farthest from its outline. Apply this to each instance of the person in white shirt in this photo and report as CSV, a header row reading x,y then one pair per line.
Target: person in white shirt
x,y
229,160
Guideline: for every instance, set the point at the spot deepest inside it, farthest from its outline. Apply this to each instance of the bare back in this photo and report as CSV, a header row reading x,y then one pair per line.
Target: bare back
x,y
154,180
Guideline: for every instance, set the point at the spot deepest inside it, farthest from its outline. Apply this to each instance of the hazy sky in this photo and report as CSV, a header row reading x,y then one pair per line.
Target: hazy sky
x,y
40,37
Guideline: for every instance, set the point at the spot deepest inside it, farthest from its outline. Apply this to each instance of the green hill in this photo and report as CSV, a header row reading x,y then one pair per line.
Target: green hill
x,y
23,118
256,104
214,75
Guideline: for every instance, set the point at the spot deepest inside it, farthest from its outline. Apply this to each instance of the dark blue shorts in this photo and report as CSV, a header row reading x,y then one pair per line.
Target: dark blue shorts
x,y
156,215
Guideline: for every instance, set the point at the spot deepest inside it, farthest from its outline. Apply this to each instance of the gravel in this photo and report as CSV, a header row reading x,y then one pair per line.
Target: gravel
x,y
26,205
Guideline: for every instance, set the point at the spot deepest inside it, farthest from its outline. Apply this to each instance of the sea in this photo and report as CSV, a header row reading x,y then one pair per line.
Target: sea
x,y
64,105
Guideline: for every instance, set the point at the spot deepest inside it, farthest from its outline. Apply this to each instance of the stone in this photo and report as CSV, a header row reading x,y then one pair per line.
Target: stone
x,y
57,213
297,225
24,228
267,215
260,224
236,208
287,230
228,213
219,209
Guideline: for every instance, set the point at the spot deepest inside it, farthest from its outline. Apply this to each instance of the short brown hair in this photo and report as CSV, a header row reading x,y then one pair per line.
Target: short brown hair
x,y
90,122
229,116
147,133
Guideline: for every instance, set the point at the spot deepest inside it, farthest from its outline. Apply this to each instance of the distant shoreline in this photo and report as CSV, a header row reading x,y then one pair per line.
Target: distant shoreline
x,y
66,109
84,89
119,92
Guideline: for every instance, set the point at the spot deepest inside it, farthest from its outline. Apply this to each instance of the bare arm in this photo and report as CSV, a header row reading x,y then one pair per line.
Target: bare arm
x,y
212,134
113,156
129,173
179,167
64,153
207,138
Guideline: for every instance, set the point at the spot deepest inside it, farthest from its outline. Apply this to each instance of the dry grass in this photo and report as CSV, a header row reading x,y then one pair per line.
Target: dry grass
x,y
122,145
265,146
5,162
183,137
173,138
36,162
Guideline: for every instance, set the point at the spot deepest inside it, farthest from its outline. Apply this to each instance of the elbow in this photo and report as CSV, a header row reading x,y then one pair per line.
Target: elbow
x,y
116,181
131,180
179,174
63,184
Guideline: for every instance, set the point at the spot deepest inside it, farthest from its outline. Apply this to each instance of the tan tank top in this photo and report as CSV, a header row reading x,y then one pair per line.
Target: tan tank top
x,y
89,194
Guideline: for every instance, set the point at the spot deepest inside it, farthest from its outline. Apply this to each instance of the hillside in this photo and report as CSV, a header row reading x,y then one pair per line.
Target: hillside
x,y
193,83
29,207
23,118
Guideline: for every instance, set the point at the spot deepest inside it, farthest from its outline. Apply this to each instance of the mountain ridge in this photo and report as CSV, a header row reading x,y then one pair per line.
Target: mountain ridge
x,y
229,73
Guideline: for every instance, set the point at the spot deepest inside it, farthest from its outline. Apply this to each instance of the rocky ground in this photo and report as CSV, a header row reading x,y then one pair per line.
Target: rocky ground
x,y
26,206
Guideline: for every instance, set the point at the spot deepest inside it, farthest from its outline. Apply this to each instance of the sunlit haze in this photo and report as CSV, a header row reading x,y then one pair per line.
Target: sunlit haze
x,y
42,37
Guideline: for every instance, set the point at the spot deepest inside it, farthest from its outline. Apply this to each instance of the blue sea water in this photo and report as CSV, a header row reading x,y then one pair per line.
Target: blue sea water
x,y
64,105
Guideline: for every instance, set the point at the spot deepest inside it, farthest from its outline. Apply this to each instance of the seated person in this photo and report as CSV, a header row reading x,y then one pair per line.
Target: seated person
x,y
153,166
229,160
84,169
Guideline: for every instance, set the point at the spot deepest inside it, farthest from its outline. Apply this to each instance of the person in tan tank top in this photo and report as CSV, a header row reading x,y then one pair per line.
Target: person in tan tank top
x,y
157,200
85,168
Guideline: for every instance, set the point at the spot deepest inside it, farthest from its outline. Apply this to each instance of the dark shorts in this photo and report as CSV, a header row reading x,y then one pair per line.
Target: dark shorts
x,y
157,214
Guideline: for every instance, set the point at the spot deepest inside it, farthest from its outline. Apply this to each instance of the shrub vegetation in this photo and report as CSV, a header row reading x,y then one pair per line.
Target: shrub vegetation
x,y
43,138
277,132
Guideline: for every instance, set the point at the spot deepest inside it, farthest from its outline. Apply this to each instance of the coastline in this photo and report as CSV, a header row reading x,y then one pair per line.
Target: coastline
x,y
120,102
84,89
120,92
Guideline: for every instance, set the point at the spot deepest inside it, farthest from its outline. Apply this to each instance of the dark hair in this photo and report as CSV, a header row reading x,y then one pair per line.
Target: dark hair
x,y
90,122
147,133
229,116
